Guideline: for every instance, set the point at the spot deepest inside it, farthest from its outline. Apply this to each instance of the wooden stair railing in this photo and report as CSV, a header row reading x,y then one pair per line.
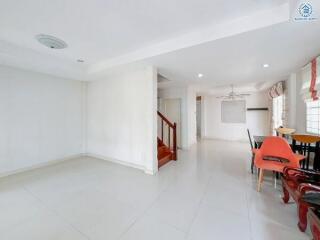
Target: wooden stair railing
x,y
171,141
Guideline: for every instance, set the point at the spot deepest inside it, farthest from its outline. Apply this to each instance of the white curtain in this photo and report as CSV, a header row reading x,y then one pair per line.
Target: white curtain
x,y
276,91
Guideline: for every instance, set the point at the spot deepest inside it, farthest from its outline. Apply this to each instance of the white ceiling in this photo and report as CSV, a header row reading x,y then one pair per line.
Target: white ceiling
x,y
99,29
180,37
286,47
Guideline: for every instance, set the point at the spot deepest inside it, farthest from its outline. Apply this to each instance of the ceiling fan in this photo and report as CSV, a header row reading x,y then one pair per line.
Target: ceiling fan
x,y
233,95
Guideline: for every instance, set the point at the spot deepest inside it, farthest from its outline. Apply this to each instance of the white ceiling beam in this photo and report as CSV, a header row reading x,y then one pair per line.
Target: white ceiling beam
x,y
255,21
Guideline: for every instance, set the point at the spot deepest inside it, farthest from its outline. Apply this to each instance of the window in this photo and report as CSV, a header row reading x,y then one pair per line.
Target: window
x,y
278,111
313,118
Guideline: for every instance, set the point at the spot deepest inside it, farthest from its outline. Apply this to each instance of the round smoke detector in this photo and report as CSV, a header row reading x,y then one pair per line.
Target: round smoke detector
x,y
51,42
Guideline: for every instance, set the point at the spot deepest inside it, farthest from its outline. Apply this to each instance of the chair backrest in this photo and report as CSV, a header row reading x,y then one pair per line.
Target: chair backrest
x,y
250,140
277,133
305,145
282,131
277,147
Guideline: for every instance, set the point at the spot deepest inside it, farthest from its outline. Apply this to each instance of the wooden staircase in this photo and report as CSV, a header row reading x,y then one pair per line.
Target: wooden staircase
x,y
167,141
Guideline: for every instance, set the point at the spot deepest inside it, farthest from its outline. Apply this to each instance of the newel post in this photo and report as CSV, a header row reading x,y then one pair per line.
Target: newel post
x,y
175,154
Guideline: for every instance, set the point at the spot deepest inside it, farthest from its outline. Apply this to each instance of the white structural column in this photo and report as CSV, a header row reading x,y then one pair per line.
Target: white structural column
x,y
291,90
121,118
151,161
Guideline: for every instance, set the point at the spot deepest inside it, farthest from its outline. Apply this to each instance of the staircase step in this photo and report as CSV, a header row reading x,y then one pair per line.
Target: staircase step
x,y
163,151
164,155
160,143
164,159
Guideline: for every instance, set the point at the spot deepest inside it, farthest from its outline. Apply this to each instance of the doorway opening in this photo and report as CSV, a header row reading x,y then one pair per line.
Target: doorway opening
x,y
198,113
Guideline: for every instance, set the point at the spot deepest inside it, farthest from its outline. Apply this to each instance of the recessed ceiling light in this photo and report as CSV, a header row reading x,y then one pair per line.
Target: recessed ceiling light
x,y
200,75
51,41
266,65
80,60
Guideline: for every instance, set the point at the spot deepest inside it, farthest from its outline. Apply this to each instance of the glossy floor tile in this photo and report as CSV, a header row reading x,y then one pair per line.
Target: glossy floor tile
x,y
209,193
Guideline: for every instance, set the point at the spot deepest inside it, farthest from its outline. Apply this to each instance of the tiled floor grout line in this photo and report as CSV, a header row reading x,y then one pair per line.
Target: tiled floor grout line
x,y
199,206
36,199
144,213
248,212
56,214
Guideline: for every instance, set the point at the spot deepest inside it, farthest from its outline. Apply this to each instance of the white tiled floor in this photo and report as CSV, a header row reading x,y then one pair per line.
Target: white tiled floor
x,y
208,194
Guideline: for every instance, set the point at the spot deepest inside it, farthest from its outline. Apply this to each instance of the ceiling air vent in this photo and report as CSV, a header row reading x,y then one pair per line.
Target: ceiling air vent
x,y
51,42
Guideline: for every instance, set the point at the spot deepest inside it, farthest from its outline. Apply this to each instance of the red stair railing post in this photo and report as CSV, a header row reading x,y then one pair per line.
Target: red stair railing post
x,y
175,155
169,137
161,129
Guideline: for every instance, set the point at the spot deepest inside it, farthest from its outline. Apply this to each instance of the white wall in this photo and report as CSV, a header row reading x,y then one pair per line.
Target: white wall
x,y
188,112
291,101
300,107
192,115
256,121
121,122
41,119
297,107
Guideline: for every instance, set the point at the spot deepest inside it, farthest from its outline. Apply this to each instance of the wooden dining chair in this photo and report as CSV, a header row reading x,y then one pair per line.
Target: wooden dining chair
x,y
307,145
277,133
252,150
284,132
298,184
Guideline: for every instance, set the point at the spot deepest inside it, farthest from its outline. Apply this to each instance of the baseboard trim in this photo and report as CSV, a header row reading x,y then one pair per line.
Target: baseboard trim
x,y
113,160
117,161
221,139
57,161
41,165
149,172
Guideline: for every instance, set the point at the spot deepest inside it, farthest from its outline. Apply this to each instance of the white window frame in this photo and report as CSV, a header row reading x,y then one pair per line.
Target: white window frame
x,y
313,117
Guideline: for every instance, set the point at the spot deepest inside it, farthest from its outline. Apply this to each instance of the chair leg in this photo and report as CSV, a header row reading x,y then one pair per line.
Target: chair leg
x,y
260,179
286,195
275,176
252,164
303,209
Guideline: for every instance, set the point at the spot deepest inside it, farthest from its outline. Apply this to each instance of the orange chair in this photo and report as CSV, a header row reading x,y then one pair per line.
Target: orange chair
x,y
275,154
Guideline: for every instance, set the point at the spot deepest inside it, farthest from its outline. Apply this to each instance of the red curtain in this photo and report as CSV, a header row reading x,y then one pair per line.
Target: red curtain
x,y
313,79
